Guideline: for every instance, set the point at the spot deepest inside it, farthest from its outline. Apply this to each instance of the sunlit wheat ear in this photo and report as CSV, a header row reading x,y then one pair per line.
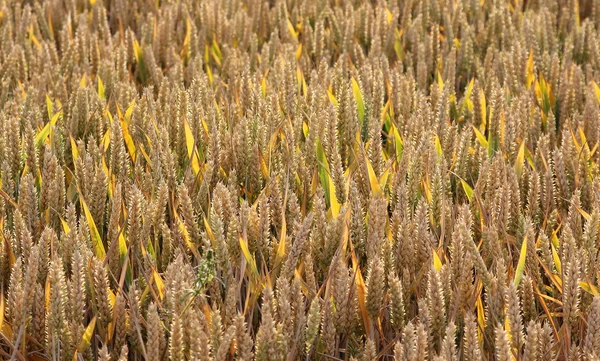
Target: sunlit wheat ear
x,y
57,332
591,345
100,283
120,321
176,340
397,308
103,354
515,317
16,310
155,333
243,340
471,345
375,287
503,351
532,342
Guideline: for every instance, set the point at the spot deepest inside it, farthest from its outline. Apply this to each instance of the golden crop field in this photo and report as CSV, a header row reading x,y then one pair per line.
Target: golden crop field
x,y
282,180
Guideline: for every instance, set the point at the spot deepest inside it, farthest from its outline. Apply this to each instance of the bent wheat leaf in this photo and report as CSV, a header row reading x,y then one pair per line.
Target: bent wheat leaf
x,y
327,181
249,258
94,234
373,181
483,111
597,90
481,138
521,265
282,240
101,90
47,130
467,188
520,159
191,147
160,285
360,104
437,262
589,288
438,146
49,106
86,338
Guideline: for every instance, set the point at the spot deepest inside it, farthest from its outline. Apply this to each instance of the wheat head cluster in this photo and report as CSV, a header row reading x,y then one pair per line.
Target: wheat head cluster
x,y
281,180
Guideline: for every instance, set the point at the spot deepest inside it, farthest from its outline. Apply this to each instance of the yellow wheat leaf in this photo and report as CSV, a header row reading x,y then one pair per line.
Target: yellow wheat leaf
x,y
483,110
597,90
137,51
216,52
64,224
248,256
507,328
49,106
556,259
210,74
47,293
437,262
160,285
129,141
521,264
481,138
106,140
83,81
191,147
332,98
263,165
282,240
86,338
101,91
375,188
94,235
530,74
112,298
384,178
467,98
33,38
129,111
468,190
361,290
480,317
303,287
426,183
125,129
398,143
520,159
209,231
186,235
122,245
440,81
360,104
291,29
43,134
589,288
585,214
438,146
326,181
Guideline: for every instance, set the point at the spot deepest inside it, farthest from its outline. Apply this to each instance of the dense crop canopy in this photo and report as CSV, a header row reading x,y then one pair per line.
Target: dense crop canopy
x,y
409,180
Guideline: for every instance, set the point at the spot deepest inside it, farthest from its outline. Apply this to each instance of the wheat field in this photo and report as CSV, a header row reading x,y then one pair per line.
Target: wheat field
x,y
281,180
